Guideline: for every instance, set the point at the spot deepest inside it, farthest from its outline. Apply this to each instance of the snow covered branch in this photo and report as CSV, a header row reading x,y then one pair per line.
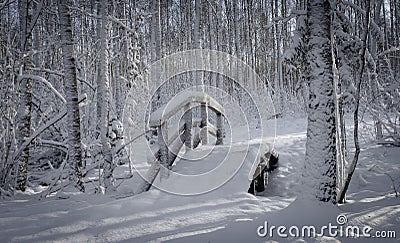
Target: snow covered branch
x,y
61,74
44,81
41,129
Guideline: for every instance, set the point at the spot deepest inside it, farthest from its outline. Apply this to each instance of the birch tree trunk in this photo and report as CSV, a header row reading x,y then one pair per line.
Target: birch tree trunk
x,y
103,103
7,179
71,92
319,172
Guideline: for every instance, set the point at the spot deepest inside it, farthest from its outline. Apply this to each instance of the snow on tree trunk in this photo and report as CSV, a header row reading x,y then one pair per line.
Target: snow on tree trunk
x,y
196,41
236,10
103,103
71,92
374,86
155,31
213,76
155,41
118,92
341,137
319,172
23,122
339,115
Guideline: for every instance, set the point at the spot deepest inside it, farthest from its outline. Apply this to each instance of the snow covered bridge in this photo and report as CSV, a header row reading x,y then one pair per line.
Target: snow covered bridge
x,y
190,157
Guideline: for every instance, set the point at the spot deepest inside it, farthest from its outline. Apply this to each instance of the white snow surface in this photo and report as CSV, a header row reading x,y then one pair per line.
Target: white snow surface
x,y
227,214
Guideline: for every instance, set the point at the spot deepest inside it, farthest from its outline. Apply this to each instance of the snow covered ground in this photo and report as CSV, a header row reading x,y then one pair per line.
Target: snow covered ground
x,y
219,216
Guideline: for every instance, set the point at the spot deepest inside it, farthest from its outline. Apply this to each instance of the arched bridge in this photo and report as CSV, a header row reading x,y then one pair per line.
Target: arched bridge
x,y
187,139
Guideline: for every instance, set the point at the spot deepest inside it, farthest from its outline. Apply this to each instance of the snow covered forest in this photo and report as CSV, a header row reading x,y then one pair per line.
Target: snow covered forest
x,y
316,81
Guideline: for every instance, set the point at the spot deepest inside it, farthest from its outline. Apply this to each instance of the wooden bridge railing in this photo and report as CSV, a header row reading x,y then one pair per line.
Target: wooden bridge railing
x,y
171,144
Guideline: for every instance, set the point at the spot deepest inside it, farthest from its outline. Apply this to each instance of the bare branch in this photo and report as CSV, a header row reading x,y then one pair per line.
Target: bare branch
x,y
5,4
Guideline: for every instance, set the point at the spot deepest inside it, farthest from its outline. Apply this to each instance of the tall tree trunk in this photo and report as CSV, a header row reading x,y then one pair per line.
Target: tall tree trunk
x,y
155,43
342,139
71,92
7,179
103,102
373,51
235,10
117,81
155,31
320,162
197,80
25,105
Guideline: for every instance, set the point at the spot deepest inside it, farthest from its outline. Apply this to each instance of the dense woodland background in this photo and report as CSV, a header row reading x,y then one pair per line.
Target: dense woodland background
x,y
66,68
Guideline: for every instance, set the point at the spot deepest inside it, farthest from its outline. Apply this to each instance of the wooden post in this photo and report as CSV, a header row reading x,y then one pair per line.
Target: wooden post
x,y
204,124
220,139
163,143
188,126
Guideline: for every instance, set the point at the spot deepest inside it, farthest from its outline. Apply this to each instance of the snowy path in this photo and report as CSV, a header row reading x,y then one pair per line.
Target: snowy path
x,y
150,216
